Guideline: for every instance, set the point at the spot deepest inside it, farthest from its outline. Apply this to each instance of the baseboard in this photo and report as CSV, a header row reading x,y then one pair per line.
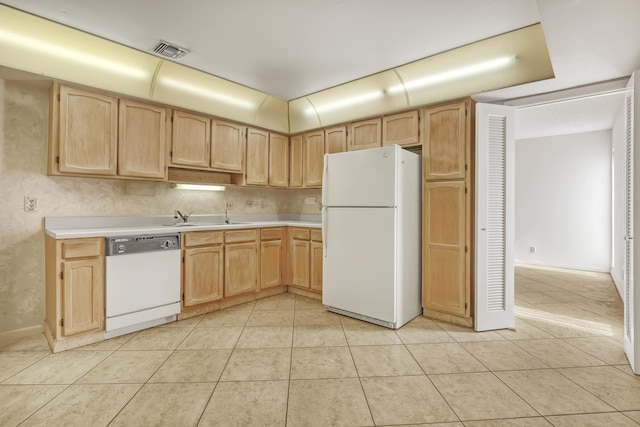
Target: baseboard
x,y
10,336
522,263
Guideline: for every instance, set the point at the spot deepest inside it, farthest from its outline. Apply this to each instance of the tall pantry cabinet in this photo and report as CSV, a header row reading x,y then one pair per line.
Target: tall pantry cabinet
x,y
447,211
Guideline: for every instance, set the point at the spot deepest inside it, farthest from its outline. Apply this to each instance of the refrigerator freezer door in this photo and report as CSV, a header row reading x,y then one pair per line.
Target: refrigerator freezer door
x,y
359,274
360,178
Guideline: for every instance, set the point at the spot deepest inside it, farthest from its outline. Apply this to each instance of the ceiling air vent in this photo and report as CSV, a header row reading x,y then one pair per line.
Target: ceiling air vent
x,y
169,50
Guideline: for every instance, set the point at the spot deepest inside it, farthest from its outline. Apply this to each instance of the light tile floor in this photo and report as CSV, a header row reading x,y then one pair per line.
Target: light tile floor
x,y
284,360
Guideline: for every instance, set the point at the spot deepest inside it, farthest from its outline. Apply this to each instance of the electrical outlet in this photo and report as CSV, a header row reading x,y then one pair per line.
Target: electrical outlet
x,y
228,204
30,203
532,249
249,203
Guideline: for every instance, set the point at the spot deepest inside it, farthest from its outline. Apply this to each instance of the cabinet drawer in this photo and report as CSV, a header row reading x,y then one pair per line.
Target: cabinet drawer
x,y
202,238
240,236
316,235
271,233
83,248
300,233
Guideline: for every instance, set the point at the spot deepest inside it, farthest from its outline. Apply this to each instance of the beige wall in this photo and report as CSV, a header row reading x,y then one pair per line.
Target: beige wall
x,y
23,146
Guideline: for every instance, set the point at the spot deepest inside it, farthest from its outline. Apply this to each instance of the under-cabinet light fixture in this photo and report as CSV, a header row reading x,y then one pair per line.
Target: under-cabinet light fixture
x,y
202,187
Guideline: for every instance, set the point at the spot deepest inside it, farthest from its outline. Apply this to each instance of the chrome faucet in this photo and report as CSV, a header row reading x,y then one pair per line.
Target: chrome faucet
x,y
185,218
226,214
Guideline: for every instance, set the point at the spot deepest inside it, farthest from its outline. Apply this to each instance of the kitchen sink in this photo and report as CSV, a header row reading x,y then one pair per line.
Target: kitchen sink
x,y
183,224
188,224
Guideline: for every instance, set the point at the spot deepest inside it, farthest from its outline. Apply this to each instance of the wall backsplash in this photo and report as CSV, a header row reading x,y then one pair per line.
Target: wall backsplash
x,y
23,151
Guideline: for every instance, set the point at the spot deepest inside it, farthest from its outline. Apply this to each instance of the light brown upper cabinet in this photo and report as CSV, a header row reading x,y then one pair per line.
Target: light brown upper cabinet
x,y
402,129
335,139
295,161
83,133
191,140
141,141
278,160
227,146
257,170
365,134
313,158
444,141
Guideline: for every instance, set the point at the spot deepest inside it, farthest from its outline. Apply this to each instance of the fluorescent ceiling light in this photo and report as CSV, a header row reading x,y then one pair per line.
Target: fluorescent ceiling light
x,y
455,74
199,187
208,93
51,49
344,102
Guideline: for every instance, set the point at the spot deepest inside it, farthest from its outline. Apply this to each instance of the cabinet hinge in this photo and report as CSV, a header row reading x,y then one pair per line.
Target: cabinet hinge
x,y
62,275
466,112
465,305
465,190
466,249
183,260
58,159
58,97
171,153
62,322
466,167
183,296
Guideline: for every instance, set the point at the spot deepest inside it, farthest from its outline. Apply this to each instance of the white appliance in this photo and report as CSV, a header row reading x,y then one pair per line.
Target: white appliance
x,y
142,275
371,224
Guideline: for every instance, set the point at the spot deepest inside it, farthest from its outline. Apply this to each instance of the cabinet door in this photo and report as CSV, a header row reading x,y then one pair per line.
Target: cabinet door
x,y
191,140
300,262
445,288
278,160
315,275
313,154
88,133
401,129
241,268
257,172
82,301
227,146
295,161
335,139
444,134
141,141
203,275
270,264
365,134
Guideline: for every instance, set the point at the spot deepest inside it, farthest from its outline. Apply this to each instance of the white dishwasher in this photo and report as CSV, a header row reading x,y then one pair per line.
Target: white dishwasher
x,y
142,282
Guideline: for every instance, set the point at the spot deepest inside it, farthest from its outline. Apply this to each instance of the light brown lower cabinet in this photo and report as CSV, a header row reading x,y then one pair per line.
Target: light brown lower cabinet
x,y
271,257
240,262
306,258
203,267
74,277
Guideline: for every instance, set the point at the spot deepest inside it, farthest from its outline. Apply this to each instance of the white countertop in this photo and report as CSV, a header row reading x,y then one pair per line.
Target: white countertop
x,y
73,227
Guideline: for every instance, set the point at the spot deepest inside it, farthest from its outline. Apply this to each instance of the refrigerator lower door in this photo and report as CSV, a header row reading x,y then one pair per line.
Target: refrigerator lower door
x,y
359,277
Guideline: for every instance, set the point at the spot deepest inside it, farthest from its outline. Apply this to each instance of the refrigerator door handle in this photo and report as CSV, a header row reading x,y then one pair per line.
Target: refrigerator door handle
x,y
325,212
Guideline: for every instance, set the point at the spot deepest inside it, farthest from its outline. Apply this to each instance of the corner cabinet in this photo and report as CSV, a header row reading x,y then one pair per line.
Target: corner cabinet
x,y
447,210
74,280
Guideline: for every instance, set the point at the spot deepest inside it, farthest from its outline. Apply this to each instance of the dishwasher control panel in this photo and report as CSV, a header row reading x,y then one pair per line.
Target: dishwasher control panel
x,y
135,244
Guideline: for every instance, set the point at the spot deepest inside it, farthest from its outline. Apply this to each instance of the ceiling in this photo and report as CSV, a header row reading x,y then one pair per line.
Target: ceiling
x,y
291,48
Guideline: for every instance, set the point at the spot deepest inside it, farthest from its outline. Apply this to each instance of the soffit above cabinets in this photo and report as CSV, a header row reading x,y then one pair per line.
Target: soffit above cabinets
x,y
42,47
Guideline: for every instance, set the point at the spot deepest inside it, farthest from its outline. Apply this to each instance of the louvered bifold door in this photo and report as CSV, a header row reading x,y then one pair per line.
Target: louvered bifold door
x,y
494,231
629,340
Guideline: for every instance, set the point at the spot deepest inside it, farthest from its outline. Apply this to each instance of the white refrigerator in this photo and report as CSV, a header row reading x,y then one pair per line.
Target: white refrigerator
x,y
371,217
